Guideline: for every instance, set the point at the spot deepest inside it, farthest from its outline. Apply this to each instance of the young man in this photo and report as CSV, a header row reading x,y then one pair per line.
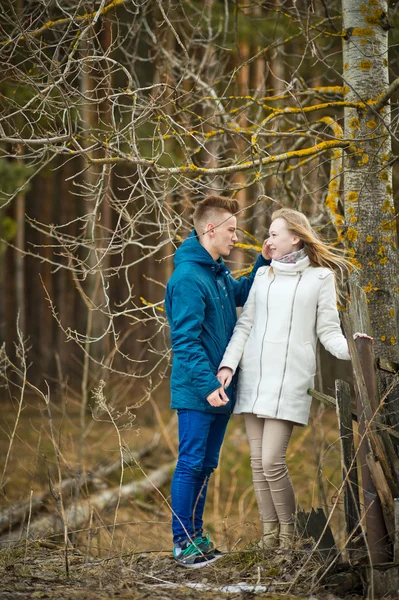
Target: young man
x,y
201,300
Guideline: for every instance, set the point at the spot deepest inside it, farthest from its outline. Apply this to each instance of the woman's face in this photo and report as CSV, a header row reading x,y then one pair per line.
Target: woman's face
x,y
281,241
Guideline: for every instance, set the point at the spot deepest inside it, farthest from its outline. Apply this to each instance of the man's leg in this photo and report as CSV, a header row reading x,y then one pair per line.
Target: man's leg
x,y
194,427
215,438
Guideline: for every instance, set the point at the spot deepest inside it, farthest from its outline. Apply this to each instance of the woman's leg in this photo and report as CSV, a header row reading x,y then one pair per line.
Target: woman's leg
x,y
254,427
276,435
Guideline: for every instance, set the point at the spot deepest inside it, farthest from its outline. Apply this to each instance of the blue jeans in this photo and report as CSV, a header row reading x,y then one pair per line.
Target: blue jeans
x,y
200,439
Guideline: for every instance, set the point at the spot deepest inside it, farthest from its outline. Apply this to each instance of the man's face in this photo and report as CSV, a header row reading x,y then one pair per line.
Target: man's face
x,y
281,241
223,236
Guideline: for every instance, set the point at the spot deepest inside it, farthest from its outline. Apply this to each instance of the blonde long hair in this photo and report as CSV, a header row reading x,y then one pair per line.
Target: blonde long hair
x,y
320,254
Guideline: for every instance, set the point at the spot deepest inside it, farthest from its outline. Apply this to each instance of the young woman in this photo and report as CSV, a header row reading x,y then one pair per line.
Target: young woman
x,y
291,304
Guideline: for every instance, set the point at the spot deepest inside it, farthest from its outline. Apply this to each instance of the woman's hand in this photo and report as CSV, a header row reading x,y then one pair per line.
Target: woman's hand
x,y
363,335
224,376
265,251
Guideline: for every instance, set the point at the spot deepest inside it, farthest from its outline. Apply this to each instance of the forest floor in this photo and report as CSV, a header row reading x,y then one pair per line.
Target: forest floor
x,y
39,571
126,553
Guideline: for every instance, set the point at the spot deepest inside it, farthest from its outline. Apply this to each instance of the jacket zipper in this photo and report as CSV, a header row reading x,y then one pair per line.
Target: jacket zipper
x,y
288,345
263,339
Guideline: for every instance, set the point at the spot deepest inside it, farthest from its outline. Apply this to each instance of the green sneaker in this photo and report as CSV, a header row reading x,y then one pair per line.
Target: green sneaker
x,y
190,556
204,544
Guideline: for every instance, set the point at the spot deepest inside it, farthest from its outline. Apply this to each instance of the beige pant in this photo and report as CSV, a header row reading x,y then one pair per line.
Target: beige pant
x,y
268,441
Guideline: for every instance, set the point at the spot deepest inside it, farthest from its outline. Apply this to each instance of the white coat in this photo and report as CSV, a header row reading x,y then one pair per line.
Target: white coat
x,y
274,340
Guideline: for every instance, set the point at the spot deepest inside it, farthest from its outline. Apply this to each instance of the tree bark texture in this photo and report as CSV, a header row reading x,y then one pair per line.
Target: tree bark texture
x,y
368,194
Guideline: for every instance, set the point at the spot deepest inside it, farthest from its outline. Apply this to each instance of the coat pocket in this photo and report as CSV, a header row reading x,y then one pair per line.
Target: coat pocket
x,y
310,358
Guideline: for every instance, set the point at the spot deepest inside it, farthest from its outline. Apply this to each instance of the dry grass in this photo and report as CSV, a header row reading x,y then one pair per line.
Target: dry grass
x,y
131,551
274,575
144,524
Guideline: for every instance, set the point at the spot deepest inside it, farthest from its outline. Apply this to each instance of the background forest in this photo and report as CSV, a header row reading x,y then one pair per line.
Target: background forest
x,y
116,117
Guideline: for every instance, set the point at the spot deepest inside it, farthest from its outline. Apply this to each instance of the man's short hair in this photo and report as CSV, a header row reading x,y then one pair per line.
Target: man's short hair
x,y
207,209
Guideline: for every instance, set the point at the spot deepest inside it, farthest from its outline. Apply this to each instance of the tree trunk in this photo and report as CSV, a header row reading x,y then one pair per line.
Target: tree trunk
x,y
93,196
369,207
19,261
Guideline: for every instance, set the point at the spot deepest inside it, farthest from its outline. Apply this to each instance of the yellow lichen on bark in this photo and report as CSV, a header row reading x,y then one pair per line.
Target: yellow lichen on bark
x,y
355,263
354,123
362,31
365,65
387,206
375,17
353,196
351,234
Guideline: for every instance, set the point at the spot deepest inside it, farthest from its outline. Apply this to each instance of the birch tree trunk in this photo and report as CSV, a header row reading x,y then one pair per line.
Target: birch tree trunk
x,y
369,207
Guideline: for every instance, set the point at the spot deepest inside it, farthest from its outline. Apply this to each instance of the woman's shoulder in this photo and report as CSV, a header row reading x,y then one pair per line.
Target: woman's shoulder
x,y
321,272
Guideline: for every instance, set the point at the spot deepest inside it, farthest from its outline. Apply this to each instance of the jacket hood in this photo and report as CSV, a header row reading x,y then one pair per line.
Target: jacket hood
x,y
192,251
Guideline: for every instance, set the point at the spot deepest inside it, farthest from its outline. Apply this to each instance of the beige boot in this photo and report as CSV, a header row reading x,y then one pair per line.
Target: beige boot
x,y
286,535
270,532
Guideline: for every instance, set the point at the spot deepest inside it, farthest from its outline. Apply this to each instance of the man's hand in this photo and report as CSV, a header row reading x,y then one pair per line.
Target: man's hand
x,y
218,397
225,375
265,251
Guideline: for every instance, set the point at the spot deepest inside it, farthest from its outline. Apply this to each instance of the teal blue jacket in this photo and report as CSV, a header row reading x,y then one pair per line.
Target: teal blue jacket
x,y
201,300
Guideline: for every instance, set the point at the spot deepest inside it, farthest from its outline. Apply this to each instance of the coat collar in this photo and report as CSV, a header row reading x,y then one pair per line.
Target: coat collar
x,y
290,268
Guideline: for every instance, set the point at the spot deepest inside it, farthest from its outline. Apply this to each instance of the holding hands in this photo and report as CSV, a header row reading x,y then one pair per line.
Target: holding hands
x,y
219,396
225,375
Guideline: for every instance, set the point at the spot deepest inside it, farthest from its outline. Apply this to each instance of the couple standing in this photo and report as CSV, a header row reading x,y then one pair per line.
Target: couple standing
x,y
289,301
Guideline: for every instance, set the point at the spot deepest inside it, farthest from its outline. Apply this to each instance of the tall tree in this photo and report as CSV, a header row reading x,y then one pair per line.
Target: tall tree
x,y
369,208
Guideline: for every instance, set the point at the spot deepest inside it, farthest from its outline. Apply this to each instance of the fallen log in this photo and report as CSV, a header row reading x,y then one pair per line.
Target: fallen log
x,y
79,513
17,513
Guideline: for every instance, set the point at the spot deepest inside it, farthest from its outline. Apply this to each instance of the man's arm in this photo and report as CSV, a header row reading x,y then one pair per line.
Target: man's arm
x,y
242,330
186,314
243,285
